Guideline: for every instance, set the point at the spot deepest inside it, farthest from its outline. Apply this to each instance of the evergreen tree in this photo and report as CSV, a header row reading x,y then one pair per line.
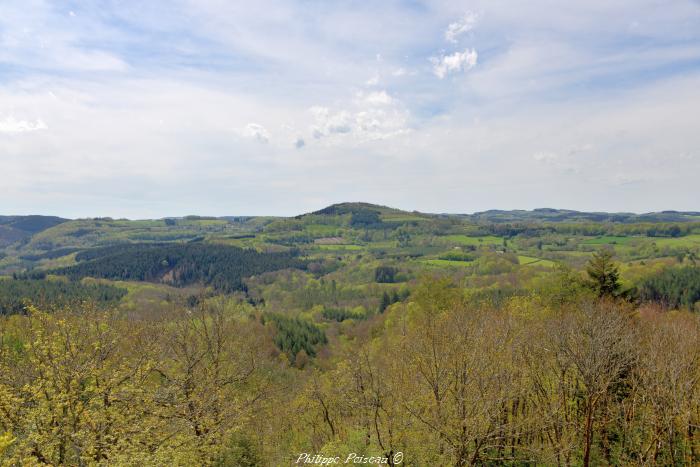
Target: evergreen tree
x,y
384,304
604,274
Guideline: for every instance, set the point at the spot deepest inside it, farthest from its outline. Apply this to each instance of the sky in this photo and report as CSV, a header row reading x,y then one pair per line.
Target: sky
x,y
136,109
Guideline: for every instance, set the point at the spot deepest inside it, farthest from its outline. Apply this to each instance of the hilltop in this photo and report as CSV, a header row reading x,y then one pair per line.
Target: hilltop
x,y
16,228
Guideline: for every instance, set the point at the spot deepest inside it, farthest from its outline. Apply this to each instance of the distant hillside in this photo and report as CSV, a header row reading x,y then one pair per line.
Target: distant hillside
x,y
15,228
566,215
31,224
8,235
515,215
340,209
179,264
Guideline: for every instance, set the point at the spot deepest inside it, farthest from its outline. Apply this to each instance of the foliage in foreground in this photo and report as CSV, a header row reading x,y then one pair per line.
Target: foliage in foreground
x,y
87,388
531,379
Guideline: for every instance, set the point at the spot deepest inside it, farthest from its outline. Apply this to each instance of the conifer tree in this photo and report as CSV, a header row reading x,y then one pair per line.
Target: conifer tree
x,y
604,274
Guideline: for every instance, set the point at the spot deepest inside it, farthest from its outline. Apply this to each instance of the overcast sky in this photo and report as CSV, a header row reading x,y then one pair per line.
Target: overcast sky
x,y
140,109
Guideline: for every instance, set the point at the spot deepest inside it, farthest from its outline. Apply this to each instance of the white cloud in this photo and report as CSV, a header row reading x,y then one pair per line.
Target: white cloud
x,y
377,98
257,132
328,123
458,61
111,83
373,81
12,125
371,117
465,24
545,157
377,124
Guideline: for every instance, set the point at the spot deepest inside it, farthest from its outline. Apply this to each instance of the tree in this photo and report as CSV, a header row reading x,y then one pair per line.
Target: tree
x,y
72,393
386,301
385,274
596,342
604,273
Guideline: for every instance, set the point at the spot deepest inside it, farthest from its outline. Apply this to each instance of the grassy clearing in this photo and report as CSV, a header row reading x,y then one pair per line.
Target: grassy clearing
x,y
608,240
322,229
445,263
340,247
689,241
402,218
532,261
474,241
383,244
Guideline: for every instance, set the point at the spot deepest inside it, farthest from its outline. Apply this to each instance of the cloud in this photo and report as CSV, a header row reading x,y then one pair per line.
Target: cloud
x,y
545,157
465,24
550,77
458,61
257,132
328,123
12,125
378,124
374,116
377,98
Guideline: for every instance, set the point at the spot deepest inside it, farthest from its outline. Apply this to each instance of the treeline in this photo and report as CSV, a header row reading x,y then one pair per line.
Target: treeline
x,y
15,295
673,287
590,229
222,267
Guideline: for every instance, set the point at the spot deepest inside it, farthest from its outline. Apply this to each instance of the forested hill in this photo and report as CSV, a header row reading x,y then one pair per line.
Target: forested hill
x,y
16,228
566,215
180,264
15,295
31,224
352,208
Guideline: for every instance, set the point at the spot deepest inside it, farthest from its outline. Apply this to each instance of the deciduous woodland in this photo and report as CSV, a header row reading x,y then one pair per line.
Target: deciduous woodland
x,y
451,340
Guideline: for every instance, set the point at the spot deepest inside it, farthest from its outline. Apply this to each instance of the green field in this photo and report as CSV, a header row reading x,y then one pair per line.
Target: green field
x,y
532,261
608,240
445,263
321,229
402,218
339,247
688,241
473,241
